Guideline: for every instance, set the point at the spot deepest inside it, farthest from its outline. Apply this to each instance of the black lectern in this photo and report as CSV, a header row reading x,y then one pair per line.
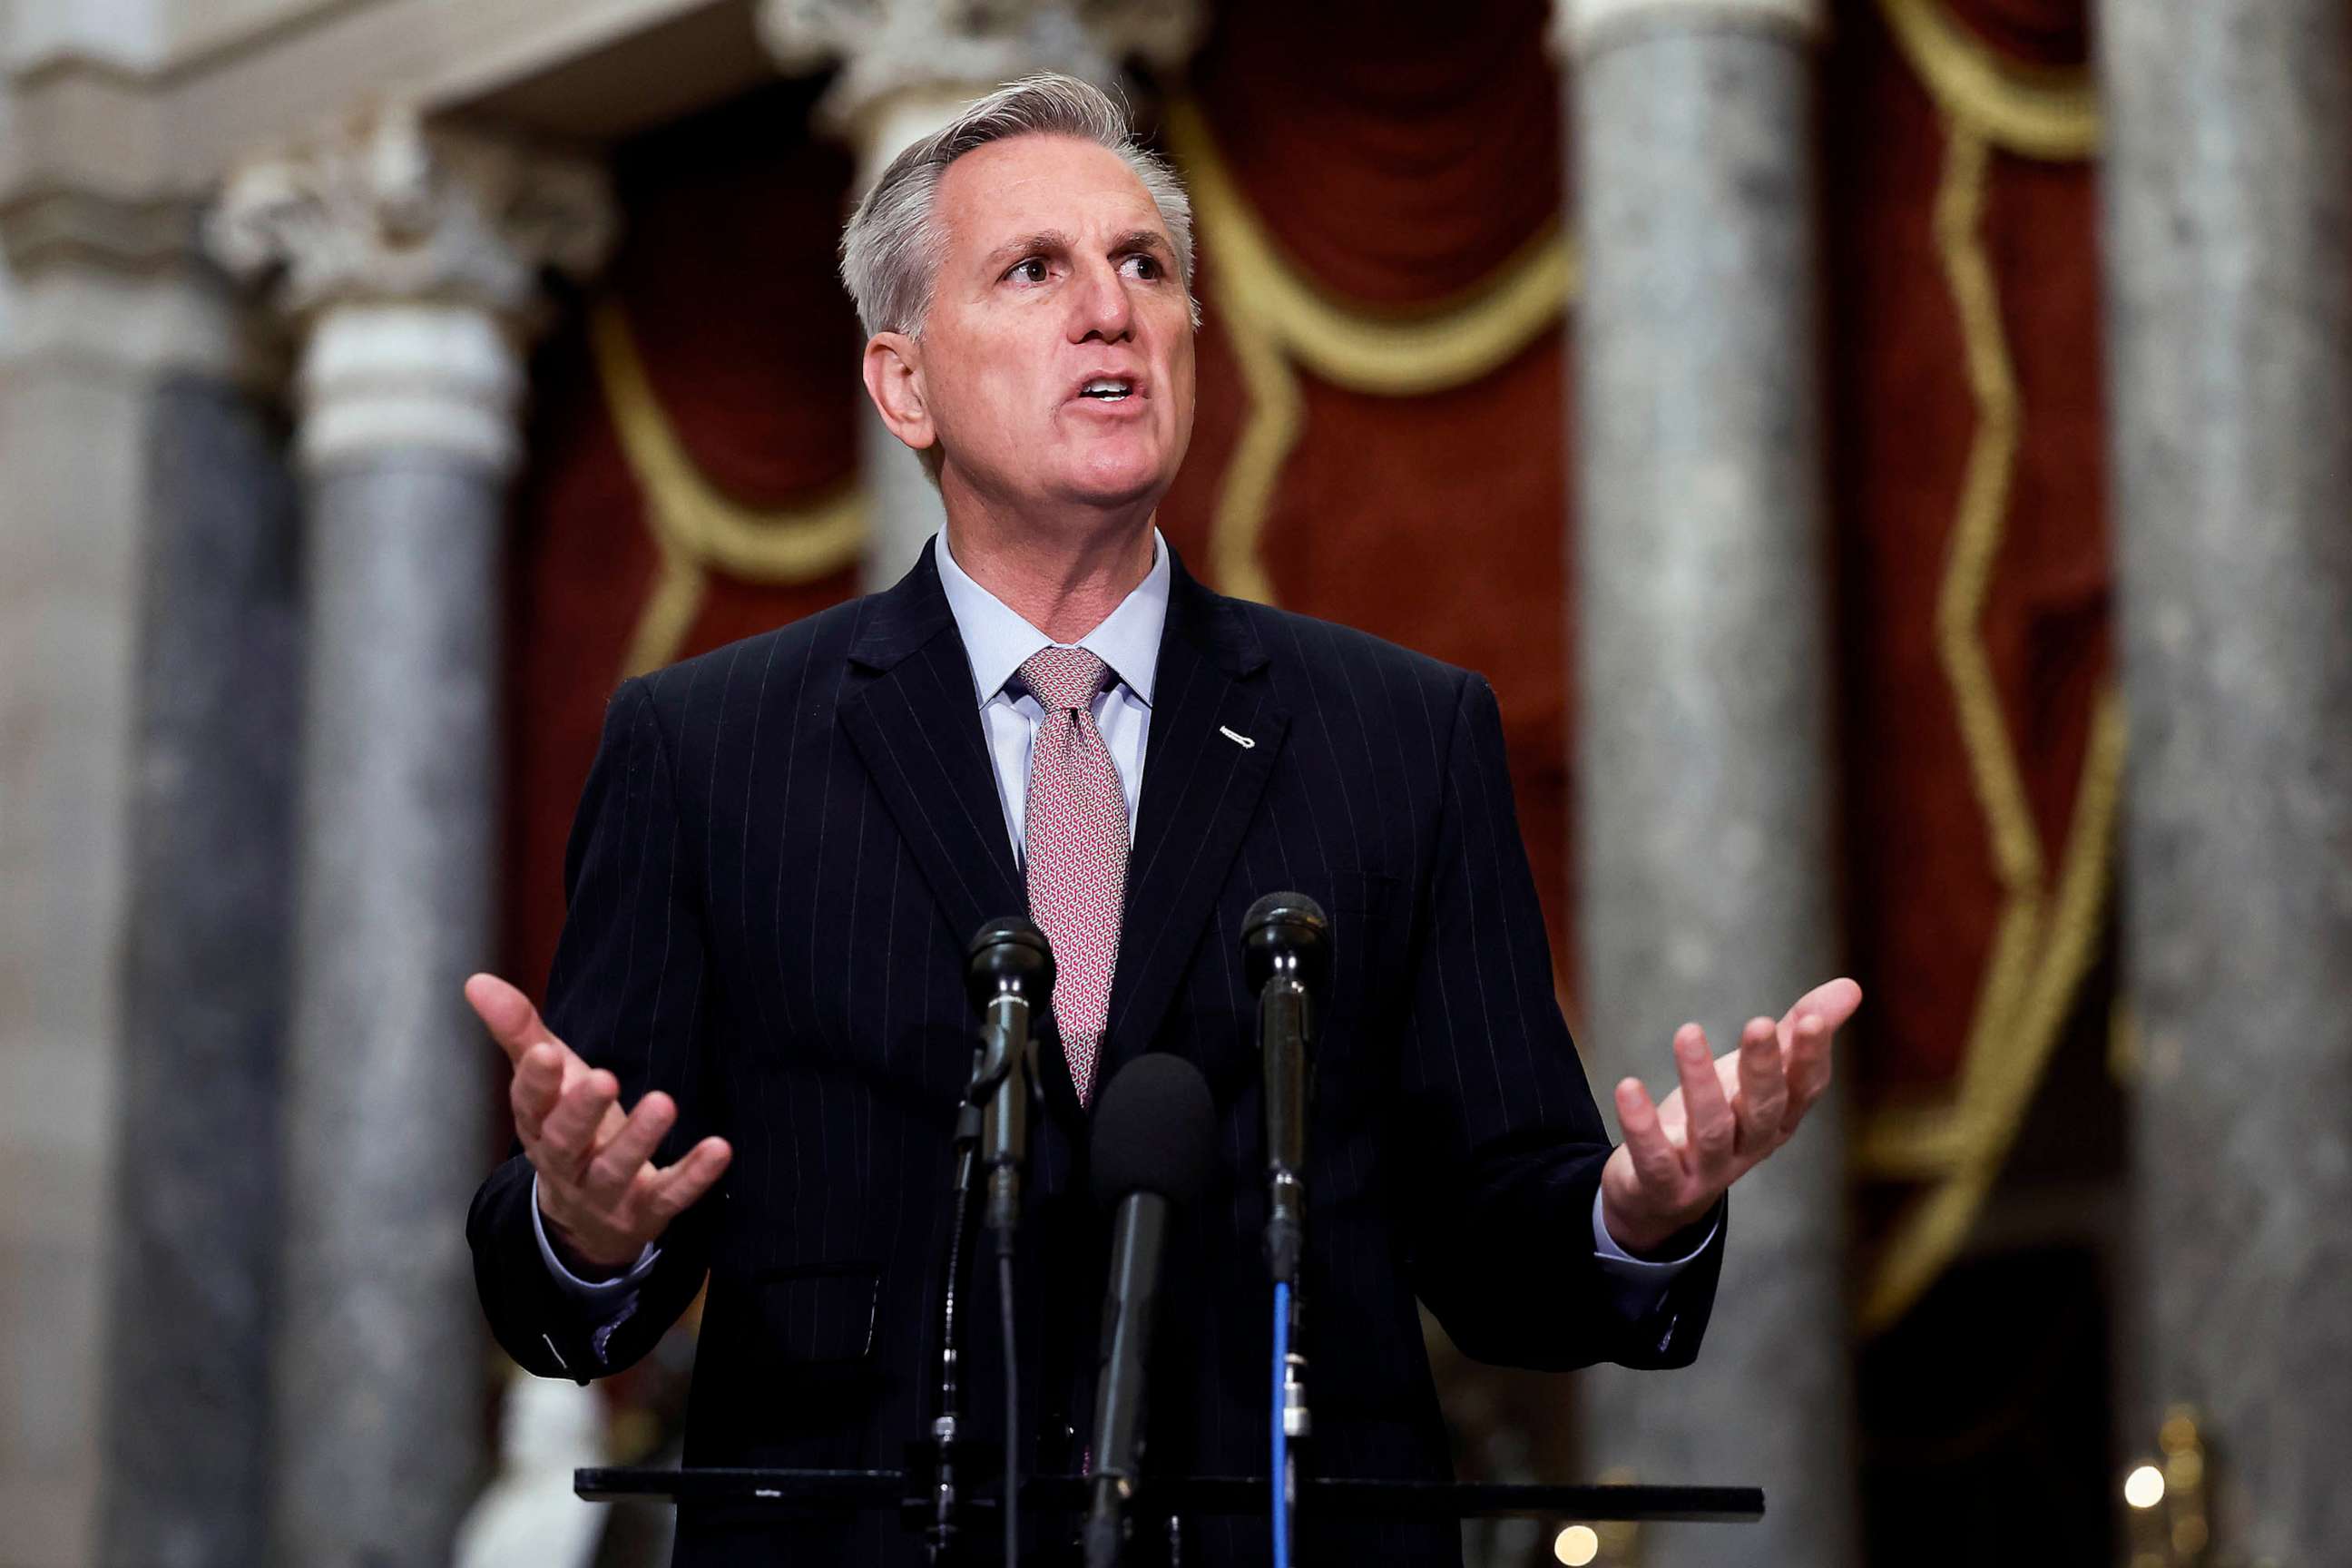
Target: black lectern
x,y
1160,1500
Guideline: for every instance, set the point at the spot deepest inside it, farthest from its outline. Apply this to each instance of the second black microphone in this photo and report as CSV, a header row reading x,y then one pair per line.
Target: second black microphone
x,y
1155,1143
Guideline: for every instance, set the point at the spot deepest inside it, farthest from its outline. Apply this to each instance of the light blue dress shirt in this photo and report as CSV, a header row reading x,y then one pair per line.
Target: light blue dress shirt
x,y
996,641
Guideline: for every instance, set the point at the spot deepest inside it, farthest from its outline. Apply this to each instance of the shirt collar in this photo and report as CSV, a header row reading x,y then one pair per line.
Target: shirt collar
x,y
996,639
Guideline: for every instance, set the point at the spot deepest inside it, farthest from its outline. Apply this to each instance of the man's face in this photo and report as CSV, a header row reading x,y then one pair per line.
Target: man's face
x,y
1056,363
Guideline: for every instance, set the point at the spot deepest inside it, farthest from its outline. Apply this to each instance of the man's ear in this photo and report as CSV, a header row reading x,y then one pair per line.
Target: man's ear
x,y
894,380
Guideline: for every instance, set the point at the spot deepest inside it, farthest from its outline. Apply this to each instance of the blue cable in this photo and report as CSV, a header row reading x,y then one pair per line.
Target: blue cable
x,y
1276,1490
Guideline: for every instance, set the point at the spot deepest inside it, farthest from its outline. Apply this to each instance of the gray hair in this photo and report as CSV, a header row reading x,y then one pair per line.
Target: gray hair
x,y
890,250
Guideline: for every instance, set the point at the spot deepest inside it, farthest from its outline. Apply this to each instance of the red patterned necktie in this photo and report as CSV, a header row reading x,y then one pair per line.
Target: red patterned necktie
x,y
1075,835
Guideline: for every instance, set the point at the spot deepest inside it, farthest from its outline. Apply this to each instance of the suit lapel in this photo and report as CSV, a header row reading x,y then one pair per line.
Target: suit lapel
x,y
1214,736
916,723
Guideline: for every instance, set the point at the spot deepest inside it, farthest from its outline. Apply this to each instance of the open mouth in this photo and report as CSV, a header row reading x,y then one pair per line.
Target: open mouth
x,y
1108,389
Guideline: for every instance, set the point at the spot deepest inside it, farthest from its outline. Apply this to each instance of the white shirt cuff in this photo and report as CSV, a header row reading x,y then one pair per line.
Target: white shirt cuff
x,y
1635,1284
608,1293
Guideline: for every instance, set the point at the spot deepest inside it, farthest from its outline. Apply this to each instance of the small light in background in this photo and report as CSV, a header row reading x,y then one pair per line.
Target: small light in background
x,y
2144,1487
1576,1545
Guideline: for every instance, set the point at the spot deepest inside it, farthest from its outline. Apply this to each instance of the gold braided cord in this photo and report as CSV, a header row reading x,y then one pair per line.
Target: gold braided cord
x,y
2031,111
1998,1085
1278,319
1985,487
2046,937
1277,416
697,530
668,616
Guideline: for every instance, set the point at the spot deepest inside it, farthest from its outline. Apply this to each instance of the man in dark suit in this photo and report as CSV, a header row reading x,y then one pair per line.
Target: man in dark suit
x,y
756,1034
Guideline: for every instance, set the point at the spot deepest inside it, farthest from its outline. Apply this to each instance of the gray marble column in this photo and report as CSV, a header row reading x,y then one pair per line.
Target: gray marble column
x,y
204,988
1707,885
411,259
2229,257
379,1375
906,68
100,303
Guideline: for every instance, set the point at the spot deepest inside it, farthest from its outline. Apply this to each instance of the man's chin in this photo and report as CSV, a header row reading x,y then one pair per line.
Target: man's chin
x,y
1113,485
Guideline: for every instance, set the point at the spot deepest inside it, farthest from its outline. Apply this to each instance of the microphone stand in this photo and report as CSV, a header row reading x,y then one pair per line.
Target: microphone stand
x,y
1285,953
938,1454
1007,966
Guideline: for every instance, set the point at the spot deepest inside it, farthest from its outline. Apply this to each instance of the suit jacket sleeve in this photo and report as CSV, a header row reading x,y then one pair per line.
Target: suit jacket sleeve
x,y
629,993
1499,1212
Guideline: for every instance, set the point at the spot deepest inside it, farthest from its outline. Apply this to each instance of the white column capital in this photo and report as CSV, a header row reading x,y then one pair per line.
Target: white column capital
x,y
1578,26
938,51
381,208
411,259
118,285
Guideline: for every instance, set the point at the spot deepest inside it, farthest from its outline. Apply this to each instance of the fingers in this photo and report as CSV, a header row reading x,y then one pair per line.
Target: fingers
x,y
1731,1113
1656,1159
674,1190
594,1159
1807,1051
1808,1064
1832,1003
1763,1100
538,1083
620,1157
1713,1128
566,1137
508,1015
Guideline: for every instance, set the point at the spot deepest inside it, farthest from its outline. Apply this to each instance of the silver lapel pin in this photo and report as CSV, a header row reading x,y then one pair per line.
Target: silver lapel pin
x,y
1243,741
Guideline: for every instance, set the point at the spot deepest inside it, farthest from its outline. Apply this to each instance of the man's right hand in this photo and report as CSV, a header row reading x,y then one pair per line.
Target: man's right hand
x,y
599,1194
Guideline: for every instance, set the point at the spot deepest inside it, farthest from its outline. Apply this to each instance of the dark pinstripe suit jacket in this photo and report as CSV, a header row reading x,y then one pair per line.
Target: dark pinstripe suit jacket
x,y
781,850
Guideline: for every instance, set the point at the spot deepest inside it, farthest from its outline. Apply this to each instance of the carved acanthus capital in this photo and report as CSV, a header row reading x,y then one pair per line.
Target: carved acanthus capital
x,y
381,209
412,259
894,50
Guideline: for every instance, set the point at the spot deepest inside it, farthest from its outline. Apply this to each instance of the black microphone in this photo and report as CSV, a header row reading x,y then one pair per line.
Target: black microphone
x,y
1009,971
1155,1142
1286,951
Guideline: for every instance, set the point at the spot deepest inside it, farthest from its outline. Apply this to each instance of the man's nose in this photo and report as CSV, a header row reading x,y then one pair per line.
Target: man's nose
x,y
1103,310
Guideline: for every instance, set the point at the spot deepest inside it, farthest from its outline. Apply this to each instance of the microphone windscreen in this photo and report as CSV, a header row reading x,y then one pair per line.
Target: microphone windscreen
x,y
1155,1131
1295,911
1009,951
1289,931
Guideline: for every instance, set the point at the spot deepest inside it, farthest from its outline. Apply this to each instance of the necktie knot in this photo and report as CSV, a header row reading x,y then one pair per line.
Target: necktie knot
x,y
1063,679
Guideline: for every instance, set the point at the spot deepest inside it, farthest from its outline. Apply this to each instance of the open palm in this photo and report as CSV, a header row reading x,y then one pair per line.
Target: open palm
x,y
1728,1113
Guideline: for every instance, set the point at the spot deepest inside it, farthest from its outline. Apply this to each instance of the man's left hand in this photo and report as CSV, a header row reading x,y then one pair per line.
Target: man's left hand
x,y
1681,1155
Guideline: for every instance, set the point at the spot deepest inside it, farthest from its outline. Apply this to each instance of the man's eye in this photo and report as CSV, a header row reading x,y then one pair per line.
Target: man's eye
x,y
1031,270
1146,265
